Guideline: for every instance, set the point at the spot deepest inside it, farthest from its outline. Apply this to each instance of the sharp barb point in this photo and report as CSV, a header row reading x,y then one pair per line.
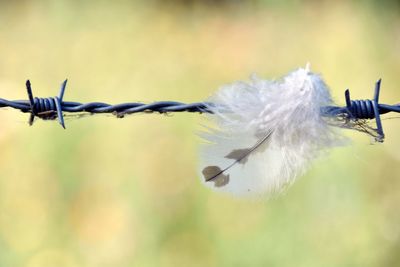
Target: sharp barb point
x,y
347,97
62,90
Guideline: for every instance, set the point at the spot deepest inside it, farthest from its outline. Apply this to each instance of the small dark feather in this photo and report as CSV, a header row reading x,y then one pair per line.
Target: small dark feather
x,y
215,174
241,155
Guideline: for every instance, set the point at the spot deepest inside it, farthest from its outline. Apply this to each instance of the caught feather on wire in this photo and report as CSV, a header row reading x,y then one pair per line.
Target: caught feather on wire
x,y
273,130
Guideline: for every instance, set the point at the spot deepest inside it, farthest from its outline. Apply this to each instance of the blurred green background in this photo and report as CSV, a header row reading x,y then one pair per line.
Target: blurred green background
x,y
125,192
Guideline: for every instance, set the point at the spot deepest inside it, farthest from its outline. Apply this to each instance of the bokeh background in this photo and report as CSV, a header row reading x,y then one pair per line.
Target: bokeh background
x,y
125,192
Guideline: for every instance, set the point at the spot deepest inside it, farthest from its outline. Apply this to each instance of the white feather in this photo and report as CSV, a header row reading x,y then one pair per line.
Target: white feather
x,y
286,113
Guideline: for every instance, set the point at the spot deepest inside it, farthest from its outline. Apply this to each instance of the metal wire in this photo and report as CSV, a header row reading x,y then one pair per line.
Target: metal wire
x,y
54,107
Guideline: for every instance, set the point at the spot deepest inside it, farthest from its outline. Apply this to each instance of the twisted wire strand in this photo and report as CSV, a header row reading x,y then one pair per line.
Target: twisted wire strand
x,y
100,107
53,107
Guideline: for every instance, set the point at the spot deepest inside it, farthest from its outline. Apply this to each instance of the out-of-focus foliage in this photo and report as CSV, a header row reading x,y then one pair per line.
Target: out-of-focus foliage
x,y
125,192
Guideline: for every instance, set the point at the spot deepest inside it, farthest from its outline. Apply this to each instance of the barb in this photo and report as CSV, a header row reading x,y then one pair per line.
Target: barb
x,y
356,110
53,108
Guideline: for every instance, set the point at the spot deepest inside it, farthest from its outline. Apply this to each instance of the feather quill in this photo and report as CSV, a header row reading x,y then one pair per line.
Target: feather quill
x,y
270,133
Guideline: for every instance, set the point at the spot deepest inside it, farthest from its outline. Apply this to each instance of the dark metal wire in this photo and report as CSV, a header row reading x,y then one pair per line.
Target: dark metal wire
x,y
53,107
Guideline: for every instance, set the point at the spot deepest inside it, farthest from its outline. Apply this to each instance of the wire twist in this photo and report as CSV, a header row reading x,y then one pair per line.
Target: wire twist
x,y
46,108
365,109
53,107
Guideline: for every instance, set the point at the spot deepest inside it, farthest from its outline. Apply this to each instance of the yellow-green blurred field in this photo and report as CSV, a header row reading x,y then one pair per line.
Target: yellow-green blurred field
x,y
125,192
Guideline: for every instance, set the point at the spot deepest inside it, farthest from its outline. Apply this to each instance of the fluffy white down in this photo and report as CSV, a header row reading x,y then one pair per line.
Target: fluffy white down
x,y
290,109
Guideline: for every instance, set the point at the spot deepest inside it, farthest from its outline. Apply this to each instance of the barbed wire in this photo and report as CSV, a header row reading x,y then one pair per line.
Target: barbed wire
x,y
52,108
